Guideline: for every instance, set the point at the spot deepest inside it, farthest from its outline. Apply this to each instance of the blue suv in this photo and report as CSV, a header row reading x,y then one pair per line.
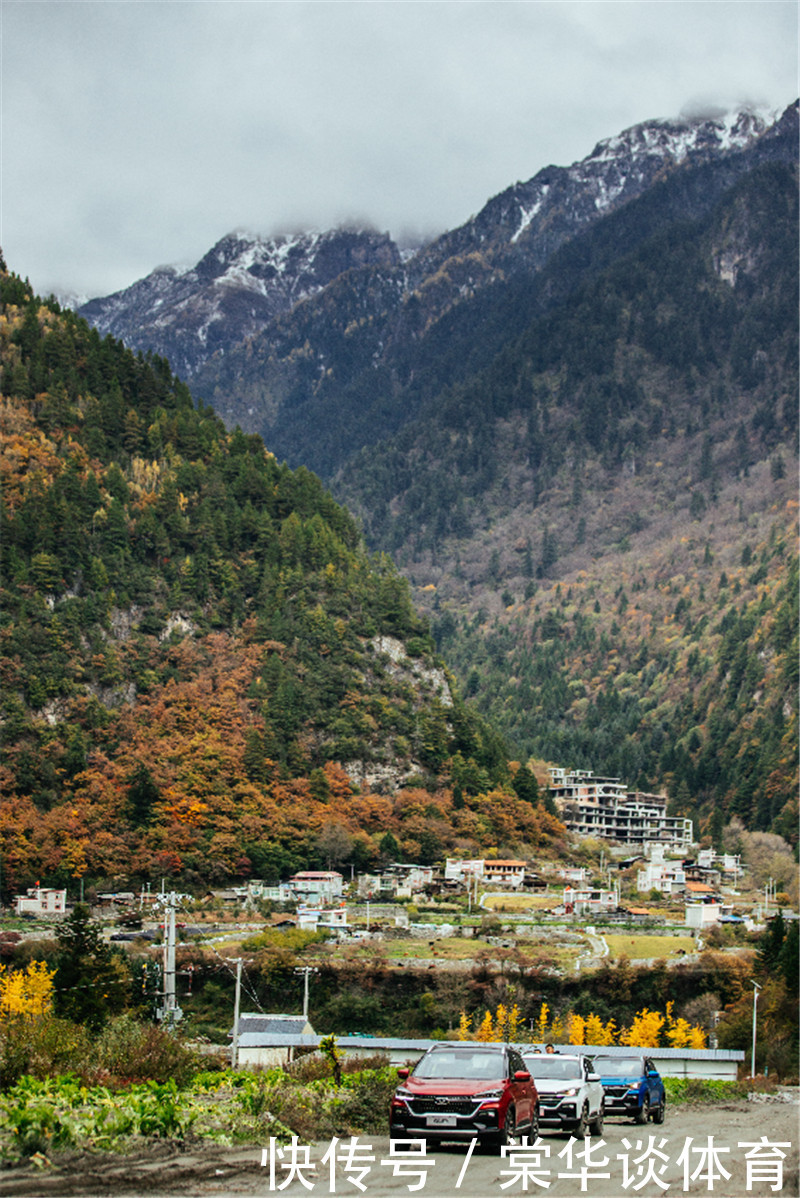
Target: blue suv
x,y
632,1087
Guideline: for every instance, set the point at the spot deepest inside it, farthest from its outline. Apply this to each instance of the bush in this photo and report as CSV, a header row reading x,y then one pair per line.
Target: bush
x,y
42,1047
701,1089
129,1050
320,1110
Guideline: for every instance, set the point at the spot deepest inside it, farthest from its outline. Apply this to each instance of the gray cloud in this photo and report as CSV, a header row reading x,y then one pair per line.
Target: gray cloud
x,y
139,133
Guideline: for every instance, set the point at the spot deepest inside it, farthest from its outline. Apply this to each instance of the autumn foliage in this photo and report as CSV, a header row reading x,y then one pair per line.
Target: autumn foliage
x,y
200,665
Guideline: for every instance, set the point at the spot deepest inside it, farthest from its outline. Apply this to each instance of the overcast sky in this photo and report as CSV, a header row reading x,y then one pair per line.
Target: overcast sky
x,y
137,133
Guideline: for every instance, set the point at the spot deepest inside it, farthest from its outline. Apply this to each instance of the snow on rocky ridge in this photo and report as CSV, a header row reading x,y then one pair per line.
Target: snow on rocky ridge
x,y
620,167
247,280
244,281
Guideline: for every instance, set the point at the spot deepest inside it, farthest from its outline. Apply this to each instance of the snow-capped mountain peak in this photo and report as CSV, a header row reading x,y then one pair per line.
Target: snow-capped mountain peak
x,y
241,283
247,281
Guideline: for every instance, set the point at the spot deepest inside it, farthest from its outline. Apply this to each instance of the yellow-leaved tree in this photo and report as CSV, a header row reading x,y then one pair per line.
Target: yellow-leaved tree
x,y
27,991
506,1024
680,1032
515,1024
486,1030
577,1028
645,1030
597,1032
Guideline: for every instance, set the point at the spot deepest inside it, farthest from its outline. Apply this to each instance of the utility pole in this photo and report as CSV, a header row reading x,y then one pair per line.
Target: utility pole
x,y
756,989
306,970
169,961
237,1001
170,1012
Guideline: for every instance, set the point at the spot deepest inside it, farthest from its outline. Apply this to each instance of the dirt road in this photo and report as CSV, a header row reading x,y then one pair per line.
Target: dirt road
x,y
201,1171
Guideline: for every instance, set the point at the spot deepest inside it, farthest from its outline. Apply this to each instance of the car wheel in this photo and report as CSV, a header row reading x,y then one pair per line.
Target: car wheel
x,y
582,1126
534,1132
660,1113
509,1133
596,1125
643,1113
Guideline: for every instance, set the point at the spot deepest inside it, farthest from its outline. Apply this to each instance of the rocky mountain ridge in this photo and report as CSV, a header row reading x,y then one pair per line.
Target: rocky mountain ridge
x,y
243,282
524,224
246,285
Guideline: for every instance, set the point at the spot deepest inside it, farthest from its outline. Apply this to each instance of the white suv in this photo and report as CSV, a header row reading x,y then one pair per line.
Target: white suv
x,y
570,1092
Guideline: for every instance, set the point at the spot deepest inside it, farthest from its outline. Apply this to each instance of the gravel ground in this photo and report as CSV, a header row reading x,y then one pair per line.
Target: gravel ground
x,y
200,1170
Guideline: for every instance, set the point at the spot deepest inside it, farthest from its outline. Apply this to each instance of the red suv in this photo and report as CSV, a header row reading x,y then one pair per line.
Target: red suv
x,y
466,1091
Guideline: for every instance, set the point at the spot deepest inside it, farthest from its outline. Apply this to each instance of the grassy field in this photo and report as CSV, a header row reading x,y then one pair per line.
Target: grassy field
x,y
515,903
451,948
457,948
640,947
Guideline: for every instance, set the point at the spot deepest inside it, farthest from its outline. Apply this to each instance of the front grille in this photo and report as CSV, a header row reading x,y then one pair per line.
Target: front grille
x,y
617,1091
433,1106
549,1100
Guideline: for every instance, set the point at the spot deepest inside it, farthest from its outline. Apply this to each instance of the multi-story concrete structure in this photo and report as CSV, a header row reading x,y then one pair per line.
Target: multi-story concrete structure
x,y
591,806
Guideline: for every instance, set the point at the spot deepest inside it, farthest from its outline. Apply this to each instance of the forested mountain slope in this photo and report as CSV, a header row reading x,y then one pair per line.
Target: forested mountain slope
x,y
572,422
604,519
203,672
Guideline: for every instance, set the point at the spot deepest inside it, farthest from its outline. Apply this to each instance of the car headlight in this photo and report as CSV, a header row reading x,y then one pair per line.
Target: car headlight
x,y
487,1094
402,1093
569,1093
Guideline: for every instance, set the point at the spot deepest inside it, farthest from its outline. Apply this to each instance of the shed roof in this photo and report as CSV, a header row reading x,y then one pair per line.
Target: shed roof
x,y
273,1025
387,1043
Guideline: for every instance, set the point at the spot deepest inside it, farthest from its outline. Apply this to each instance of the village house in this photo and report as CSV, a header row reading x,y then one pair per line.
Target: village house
x,y
704,915
504,873
490,871
322,919
700,892
399,880
589,901
457,869
41,900
729,865
265,1040
257,889
317,886
666,876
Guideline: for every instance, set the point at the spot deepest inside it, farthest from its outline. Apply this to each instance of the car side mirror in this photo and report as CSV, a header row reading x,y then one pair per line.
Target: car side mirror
x,y
403,1072
652,1073
522,1075
593,1077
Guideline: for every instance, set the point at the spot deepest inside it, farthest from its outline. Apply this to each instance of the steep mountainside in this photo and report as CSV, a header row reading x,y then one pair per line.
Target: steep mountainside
x,y
603,521
573,422
233,292
357,362
319,376
203,673
524,225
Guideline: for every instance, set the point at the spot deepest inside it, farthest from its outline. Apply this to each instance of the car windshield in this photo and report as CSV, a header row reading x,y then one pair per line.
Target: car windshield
x,y
461,1064
551,1066
619,1066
